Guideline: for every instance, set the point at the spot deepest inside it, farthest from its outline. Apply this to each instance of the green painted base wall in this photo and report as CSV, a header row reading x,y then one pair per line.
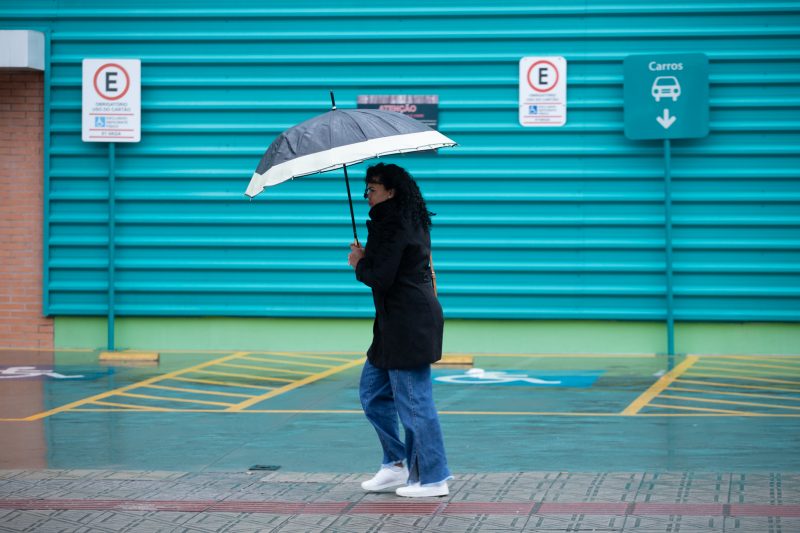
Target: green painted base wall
x,y
464,336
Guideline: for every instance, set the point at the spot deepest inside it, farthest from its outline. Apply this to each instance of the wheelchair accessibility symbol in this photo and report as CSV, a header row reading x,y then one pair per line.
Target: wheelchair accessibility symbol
x,y
27,372
479,376
22,372
518,378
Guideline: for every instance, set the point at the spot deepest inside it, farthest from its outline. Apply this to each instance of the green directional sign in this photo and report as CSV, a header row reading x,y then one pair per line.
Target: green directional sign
x,y
666,96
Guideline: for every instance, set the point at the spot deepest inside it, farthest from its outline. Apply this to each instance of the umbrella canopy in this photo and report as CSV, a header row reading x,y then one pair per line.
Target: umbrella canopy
x,y
339,138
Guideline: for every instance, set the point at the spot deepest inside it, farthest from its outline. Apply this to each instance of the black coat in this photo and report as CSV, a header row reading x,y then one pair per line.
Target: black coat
x,y
408,327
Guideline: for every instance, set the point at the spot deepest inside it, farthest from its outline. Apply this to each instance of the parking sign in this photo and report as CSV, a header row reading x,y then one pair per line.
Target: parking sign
x,y
666,96
112,100
542,91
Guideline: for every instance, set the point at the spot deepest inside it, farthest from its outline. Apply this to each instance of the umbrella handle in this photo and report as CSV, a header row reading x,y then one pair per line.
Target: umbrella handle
x,y
350,201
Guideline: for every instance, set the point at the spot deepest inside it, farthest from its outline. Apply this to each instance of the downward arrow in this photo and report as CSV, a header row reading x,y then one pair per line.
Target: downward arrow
x,y
666,120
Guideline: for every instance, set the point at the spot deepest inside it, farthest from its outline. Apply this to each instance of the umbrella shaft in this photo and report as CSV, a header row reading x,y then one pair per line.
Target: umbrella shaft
x,y
350,201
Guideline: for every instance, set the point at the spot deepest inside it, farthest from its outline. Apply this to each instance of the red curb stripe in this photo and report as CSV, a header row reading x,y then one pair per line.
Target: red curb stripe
x,y
693,509
258,507
473,508
325,508
420,508
280,507
742,509
620,508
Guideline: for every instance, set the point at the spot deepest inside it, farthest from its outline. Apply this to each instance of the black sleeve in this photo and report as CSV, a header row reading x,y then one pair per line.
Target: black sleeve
x,y
378,268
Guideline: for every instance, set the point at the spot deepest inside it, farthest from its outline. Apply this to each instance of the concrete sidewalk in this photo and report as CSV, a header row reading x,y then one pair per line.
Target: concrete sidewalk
x,y
161,501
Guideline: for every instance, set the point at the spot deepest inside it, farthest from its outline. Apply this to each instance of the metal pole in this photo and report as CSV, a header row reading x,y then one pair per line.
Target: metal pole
x,y
668,247
111,238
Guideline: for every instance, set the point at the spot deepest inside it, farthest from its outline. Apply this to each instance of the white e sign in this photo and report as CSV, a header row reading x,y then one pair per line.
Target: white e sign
x,y
112,100
543,91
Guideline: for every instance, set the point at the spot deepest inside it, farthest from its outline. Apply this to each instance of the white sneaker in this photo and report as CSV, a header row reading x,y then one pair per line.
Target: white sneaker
x,y
415,490
386,478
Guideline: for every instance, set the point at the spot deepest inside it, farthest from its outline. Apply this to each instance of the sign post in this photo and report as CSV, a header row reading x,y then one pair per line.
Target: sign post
x,y
111,113
666,97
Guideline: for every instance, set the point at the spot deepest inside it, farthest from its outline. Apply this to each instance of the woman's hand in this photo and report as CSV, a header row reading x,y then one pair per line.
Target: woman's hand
x,y
356,254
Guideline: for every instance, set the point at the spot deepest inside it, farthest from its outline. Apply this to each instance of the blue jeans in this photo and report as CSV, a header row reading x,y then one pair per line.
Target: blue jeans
x,y
385,394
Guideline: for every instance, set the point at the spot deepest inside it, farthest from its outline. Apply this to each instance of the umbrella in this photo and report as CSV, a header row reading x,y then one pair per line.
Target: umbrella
x,y
339,138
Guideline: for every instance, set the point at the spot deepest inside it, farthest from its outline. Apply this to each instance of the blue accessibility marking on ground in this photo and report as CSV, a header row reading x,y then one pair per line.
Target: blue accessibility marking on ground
x,y
517,378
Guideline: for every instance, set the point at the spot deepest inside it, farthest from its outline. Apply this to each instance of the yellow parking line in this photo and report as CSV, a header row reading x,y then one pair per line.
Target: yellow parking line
x,y
722,413
784,360
744,378
169,399
745,394
281,370
657,387
522,413
252,367
257,411
226,383
199,391
701,413
128,406
729,402
113,392
738,364
704,409
290,362
248,376
732,386
307,356
296,384
747,371
558,355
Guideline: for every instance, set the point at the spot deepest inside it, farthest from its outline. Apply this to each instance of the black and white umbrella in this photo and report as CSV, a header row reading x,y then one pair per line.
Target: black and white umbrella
x,y
339,138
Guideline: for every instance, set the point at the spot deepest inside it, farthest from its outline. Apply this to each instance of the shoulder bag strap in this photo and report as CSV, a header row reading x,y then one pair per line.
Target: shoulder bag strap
x,y
433,274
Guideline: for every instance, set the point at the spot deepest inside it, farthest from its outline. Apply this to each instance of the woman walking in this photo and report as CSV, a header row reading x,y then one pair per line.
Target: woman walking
x,y
407,336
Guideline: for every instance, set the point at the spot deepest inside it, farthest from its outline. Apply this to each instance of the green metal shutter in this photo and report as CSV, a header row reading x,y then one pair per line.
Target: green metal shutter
x,y
532,223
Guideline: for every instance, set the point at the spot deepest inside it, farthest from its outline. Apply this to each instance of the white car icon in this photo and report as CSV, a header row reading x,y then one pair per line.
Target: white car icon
x,y
666,87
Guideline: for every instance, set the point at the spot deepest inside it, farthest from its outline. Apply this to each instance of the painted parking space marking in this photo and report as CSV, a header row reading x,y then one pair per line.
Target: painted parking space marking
x,y
114,392
742,394
309,379
199,391
121,405
244,382
280,370
657,387
737,386
315,365
238,375
169,399
302,355
251,367
727,385
251,386
223,383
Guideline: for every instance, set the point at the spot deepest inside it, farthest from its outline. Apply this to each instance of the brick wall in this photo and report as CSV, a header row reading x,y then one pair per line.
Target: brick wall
x,y
21,189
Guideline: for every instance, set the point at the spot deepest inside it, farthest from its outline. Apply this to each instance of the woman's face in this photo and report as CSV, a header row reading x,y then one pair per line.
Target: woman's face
x,y
377,193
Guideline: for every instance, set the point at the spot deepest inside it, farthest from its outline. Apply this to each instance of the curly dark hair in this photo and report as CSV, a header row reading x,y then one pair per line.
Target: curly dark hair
x,y
407,193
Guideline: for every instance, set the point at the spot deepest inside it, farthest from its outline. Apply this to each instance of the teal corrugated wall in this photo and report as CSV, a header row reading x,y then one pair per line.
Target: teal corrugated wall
x,y
532,223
